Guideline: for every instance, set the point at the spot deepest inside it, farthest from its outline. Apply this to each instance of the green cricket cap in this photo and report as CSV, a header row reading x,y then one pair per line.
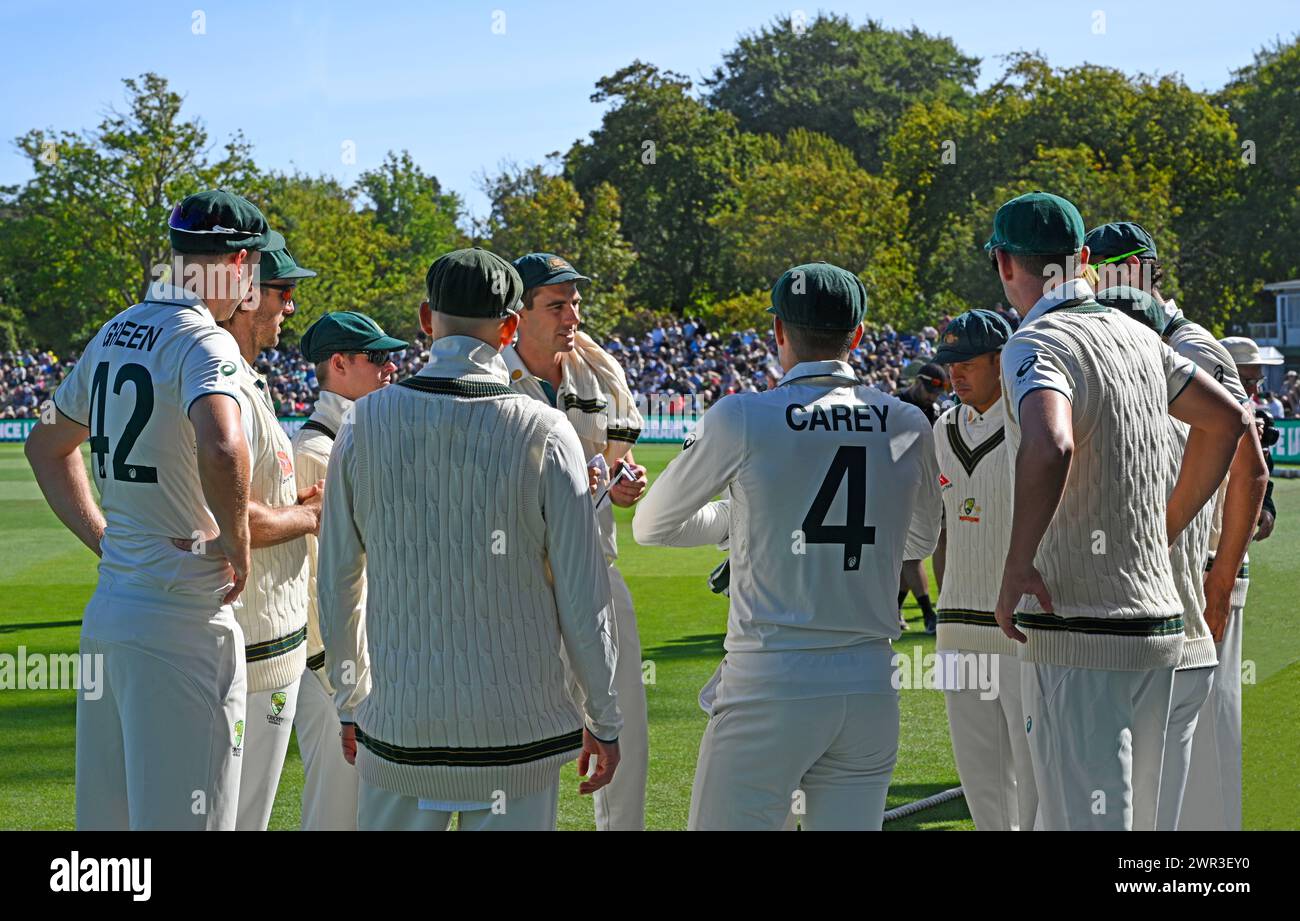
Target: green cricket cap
x,y
1139,305
218,221
1119,240
973,333
473,283
1037,224
537,269
279,265
820,296
345,331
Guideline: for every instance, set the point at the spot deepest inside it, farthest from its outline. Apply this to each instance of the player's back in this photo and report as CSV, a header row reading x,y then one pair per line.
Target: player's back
x,y
830,478
133,387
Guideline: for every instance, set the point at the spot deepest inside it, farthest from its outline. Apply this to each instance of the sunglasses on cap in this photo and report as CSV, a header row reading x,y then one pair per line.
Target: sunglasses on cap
x,y
1121,257
934,383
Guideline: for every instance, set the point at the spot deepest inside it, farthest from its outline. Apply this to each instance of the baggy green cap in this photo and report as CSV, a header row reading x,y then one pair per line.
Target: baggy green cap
x,y
820,296
1037,224
473,283
971,334
1119,240
279,265
218,221
537,269
345,331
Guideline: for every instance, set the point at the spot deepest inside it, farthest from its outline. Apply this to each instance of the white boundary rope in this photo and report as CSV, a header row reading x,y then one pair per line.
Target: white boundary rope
x,y
909,808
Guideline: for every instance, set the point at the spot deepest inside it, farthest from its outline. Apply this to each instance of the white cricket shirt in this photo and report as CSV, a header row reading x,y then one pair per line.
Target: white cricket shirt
x,y
133,387
832,485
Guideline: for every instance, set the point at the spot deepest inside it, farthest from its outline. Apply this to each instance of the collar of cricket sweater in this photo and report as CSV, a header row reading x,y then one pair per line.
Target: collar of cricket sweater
x,y
465,356
840,369
977,426
330,409
1073,290
160,292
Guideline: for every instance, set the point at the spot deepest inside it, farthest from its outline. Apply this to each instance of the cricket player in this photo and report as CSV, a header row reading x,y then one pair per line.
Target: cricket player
x,y
987,724
832,484
552,361
353,357
468,509
1086,393
925,393
1213,798
156,393
273,611
1126,256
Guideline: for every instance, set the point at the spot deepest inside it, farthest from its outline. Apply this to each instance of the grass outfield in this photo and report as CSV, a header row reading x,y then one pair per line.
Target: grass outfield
x,y
46,577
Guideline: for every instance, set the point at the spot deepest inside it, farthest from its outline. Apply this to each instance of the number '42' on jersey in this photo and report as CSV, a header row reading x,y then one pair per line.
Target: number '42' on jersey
x,y
132,388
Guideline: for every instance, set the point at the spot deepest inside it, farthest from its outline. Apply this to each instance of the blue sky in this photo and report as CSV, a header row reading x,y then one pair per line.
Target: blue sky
x,y
436,79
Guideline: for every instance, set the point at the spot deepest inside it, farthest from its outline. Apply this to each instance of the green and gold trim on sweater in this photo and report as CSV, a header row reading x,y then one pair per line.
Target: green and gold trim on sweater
x,y
473,757
628,435
969,618
457,387
967,456
1104,626
259,652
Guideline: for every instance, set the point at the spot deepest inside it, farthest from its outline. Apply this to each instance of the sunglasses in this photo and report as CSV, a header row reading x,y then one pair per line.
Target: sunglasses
x,y
286,291
377,357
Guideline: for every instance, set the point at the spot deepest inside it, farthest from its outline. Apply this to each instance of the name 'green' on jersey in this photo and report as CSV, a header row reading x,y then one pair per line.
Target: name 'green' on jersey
x,y
832,485
133,387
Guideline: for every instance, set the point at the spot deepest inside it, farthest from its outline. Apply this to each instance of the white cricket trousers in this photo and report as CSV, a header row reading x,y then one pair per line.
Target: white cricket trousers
x,y
1212,801
329,788
1191,688
762,760
159,749
1097,740
620,805
991,747
266,742
383,810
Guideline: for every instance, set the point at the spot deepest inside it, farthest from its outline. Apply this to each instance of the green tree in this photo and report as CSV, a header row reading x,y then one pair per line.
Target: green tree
x,y
533,211
809,201
849,83
89,228
360,264
673,162
1139,148
1255,241
422,222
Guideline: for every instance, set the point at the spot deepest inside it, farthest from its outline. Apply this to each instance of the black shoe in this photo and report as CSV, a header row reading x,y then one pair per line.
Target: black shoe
x,y
931,624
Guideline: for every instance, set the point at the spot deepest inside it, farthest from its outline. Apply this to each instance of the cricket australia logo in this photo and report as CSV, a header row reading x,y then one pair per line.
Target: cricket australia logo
x,y
278,700
970,511
238,748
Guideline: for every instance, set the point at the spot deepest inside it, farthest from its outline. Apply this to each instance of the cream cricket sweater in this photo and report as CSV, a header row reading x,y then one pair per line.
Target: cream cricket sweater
x,y
1104,555
975,483
272,611
312,445
466,505
1191,551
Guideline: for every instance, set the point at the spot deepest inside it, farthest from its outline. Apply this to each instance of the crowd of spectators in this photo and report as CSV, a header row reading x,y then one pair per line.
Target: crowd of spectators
x,y
673,357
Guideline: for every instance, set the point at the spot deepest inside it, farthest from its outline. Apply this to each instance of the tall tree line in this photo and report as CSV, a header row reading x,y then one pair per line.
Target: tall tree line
x,y
856,144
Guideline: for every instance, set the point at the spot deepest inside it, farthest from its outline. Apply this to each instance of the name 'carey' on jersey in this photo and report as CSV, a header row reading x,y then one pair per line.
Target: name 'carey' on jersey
x,y
837,417
131,335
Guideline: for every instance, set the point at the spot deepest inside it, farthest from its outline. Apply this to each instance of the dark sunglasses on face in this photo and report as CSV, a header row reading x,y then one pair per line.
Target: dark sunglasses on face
x,y
286,291
377,357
